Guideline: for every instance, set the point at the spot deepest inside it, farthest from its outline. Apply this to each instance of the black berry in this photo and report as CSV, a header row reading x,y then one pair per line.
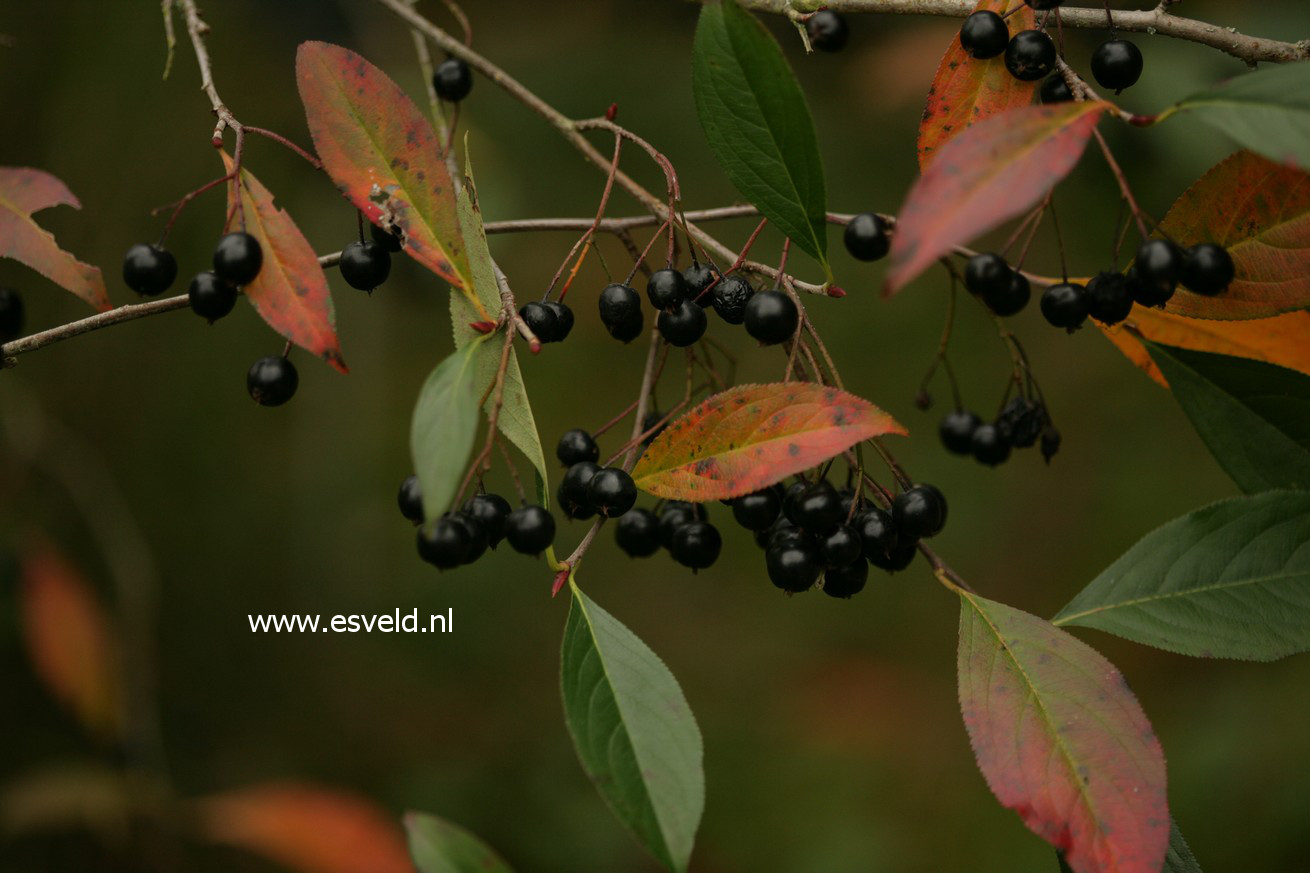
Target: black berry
x,y
827,31
781,532
793,566
818,509
866,237
238,257
841,546
758,510
984,34
1208,269
452,80
445,543
611,492
1109,299
696,545
919,512
1065,305
730,298
987,273
573,490
666,288
563,319
210,297
490,511
11,315
620,312
540,320
683,325
478,539
956,431
699,277
410,499
272,380
677,514
652,426
1013,298
575,447
1030,55
1117,64
149,270
845,581
897,558
530,529
1023,421
771,317
878,534
638,533
1157,268
385,238
364,265
791,499
1051,440
990,445
1055,90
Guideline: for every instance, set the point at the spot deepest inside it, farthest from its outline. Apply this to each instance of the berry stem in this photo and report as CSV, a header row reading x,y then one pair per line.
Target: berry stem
x,y
1122,181
943,344
179,205
590,233
283,141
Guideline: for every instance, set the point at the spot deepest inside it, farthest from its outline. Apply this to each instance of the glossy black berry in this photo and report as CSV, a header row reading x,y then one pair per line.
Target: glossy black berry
x,y
1051,440
730,297
1055,90
841,546
611,492
866,237
1109,299
563,320
540,319
757,510
445,543
956,430
666,288
210,297
409,498
675,515
490,511
573,490
683,325
1023,420
620,312
530,529
652,426
477,534
576,446
791,499
1013,298
1065,305
818,509
782,533
638,533
1030,55
771,317
987,273
1117,64
919,512
897,558
1156,271
452,80
698,278
827,30
149,270
984,34
1208,269
696,545
272,380
793,565
364,265
845,581
991,445
11,315
878,534
238,258
385,238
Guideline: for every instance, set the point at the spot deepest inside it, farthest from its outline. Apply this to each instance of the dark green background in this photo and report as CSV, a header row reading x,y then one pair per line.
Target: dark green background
x,y
832,736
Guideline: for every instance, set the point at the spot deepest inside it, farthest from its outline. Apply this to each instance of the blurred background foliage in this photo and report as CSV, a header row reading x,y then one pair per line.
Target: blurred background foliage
x,y
833,739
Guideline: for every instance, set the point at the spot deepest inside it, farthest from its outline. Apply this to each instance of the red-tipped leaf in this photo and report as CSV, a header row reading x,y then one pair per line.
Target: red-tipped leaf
x,y
24,191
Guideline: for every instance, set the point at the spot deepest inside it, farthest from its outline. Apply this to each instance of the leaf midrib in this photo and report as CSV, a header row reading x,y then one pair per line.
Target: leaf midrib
x,y
1060,621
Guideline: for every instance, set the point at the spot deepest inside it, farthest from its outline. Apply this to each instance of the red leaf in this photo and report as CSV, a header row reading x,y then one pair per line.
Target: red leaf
x,y
22,192
1260,211
967,90
69,640
307,828
382,153
990,173
1061,740
751,436
290,292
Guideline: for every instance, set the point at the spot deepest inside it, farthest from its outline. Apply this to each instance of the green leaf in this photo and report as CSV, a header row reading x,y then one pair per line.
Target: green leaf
x,y
1254,417
1231,580
633,730
1179,858
758,126
439,846
1267,111
516,421
444,425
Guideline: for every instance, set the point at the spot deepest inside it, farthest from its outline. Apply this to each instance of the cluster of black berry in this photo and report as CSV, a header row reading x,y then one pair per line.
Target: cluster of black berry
x,y
1030,54
681,298
551,321
463,536
1022,424
11,314
587,488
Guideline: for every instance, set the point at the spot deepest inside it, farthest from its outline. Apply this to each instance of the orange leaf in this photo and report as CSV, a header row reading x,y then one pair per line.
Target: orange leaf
x,y
1260,211
22,192
1280,340
967,90
751,436
990,173
70,641
307,828
290,292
